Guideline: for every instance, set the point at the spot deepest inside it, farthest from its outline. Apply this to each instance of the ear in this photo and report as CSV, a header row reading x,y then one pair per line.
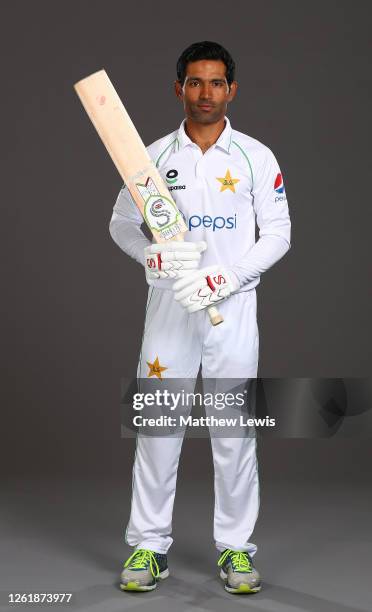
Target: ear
x,y
233,90
178,90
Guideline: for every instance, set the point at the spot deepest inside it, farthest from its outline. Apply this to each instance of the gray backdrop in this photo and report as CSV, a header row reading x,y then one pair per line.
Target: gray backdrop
x,y
304,76
69,336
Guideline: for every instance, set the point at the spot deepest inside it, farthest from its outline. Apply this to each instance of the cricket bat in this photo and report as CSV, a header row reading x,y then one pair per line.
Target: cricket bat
x,y
126,149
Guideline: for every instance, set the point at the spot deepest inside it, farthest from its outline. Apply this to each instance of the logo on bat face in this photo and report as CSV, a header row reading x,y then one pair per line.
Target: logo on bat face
x,y
160,212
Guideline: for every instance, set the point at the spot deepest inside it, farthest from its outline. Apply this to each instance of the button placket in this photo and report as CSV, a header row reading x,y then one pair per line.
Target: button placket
x,y
199,166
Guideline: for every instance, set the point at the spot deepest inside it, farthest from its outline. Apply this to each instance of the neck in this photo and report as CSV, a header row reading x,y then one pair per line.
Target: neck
x,y
204,135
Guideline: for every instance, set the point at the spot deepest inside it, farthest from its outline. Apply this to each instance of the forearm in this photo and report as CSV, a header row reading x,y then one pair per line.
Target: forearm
x,y
125,227
129,237
264,254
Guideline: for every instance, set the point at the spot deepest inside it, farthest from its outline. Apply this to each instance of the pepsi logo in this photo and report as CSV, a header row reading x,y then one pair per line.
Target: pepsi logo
x,y
278,184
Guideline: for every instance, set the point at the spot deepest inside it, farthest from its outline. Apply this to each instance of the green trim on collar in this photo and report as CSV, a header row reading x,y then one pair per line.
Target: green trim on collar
x,y
246,157
165,150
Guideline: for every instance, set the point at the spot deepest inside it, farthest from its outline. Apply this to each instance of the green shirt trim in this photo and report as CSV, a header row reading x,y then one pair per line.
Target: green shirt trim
x,y
246,157
165,150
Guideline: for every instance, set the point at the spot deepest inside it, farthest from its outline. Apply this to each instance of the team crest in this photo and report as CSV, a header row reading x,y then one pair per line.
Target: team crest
x,y
155,369
227,182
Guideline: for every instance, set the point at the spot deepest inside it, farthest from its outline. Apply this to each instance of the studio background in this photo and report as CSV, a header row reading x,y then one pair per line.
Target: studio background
x,y
70,332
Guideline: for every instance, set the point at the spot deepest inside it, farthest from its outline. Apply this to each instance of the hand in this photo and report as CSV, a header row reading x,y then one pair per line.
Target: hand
x,y
172,259
205,287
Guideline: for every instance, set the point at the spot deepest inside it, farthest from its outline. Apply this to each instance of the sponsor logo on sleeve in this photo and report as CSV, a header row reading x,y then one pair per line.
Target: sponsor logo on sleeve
x,y
279,188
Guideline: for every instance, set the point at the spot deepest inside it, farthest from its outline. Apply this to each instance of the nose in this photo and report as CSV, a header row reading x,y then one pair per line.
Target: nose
x,y
206,91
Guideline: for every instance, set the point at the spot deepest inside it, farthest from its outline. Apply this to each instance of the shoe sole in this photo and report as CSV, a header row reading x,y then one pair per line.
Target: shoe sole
x,y
143,588
242,589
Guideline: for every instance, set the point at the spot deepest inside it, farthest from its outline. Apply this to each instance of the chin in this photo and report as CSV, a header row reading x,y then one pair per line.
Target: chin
x,y
206,118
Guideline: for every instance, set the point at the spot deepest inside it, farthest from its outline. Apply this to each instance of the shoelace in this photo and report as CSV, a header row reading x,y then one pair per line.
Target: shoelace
x,y
143,558
239,560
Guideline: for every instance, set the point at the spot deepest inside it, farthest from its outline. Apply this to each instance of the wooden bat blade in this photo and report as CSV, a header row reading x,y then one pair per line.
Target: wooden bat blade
x,y
130,156
126,149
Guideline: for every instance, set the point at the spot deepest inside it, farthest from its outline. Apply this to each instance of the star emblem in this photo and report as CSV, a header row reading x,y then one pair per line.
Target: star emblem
x,y
227,182
155,369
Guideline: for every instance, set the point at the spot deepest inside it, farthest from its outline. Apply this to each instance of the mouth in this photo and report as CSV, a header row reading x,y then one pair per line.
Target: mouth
x,y
205,107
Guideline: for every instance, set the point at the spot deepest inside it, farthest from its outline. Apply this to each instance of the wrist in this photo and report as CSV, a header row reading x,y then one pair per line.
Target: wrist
x,y
235,282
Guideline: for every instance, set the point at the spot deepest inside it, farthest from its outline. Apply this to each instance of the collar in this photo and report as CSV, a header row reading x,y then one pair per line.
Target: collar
x,y
223,142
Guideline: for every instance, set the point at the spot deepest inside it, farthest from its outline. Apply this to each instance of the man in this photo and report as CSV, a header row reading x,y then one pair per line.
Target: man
x,y
223,182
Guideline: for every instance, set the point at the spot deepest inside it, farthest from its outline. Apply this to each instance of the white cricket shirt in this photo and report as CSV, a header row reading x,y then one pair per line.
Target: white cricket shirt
x,y
222,194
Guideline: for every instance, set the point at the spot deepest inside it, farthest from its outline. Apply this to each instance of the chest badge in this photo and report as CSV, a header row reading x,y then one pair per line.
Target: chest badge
x,y
155,369
227,182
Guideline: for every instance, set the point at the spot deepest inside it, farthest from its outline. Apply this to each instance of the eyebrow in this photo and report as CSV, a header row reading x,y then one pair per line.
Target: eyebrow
x,y
193,78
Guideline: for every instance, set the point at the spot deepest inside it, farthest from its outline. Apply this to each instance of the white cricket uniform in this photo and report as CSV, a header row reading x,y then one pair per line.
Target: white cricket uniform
x,y
222,194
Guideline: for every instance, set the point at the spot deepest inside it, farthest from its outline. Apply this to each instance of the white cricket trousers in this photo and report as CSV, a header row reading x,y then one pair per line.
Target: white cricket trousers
x,y
182,343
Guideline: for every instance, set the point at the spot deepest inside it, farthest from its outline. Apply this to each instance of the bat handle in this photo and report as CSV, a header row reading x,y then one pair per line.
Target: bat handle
x,y
215,316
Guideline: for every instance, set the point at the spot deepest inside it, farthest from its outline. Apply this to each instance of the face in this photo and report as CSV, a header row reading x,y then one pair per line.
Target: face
x,y
205,93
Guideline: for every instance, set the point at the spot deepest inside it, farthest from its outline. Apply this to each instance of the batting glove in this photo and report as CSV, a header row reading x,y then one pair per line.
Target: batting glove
x,y
205,287
172,260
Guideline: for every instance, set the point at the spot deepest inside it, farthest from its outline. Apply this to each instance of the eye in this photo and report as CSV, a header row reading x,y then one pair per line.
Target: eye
x,y
193,83
218,83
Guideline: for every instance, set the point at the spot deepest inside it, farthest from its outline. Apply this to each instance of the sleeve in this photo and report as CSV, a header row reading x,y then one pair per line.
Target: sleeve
x,y
125,227
272,215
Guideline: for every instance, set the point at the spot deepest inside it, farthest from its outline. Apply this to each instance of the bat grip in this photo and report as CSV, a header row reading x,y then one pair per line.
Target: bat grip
x,y
215,316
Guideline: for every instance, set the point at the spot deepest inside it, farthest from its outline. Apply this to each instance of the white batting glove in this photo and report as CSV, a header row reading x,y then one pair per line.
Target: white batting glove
x,y
205,287
172,260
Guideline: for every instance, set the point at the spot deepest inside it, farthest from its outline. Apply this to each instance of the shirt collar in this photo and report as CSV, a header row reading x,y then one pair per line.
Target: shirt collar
x,y
223,141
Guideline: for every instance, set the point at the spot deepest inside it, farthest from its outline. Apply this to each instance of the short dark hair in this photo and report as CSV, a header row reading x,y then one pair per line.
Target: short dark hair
x,y
203,51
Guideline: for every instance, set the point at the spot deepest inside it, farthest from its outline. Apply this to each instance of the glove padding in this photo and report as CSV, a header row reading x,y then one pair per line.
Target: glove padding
x,y
172,260
205,287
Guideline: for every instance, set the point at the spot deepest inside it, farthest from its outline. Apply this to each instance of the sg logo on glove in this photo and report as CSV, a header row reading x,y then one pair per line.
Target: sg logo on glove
x,y
154,264
217,280
172,260
205,287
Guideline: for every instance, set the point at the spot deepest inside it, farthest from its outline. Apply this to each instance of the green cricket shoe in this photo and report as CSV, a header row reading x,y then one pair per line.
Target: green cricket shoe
x,y
238,572
143,569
